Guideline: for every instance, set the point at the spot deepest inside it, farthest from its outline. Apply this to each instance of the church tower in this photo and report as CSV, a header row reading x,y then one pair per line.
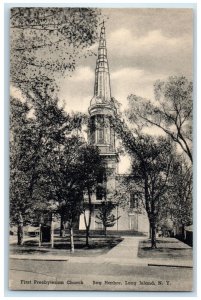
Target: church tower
x,y
101,110
101,134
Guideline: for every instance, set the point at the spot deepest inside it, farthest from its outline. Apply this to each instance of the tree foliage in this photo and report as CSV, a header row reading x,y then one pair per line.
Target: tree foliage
x,y
46,42
19,175
171,112
51,163
180,194
36,134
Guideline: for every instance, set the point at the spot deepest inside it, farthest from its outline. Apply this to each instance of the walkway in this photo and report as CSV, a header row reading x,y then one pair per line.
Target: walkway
x,y
125,252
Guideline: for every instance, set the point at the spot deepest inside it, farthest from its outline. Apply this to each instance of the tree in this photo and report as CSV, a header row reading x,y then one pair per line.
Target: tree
x,y
71,210
152,165
46,41
91,166
73,172
105,215
57,163
64,170
34,139
19,192
171,113
180,194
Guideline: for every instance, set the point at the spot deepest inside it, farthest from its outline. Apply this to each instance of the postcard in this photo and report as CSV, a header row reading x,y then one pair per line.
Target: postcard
x,y
101,149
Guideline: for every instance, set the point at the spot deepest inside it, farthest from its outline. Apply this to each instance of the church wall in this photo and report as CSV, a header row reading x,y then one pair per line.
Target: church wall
x,y
126,222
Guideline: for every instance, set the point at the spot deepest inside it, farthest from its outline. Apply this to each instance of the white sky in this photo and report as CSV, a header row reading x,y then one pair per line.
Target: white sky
x,y
143,45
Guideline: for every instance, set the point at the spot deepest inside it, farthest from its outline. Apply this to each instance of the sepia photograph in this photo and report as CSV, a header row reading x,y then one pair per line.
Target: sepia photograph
x,y
100,149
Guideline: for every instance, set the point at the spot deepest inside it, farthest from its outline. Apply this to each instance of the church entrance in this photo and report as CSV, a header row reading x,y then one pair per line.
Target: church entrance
x,y
133,222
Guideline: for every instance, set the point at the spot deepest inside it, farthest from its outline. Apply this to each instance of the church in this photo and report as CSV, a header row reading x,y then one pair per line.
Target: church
x,y
101,134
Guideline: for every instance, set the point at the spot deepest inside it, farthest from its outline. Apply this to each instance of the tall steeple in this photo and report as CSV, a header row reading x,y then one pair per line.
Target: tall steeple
x,y
102,107
101,130
102,89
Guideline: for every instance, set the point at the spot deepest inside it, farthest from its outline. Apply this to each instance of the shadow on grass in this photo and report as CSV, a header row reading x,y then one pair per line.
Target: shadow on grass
x,y
167,241
30,251
96,246
165,249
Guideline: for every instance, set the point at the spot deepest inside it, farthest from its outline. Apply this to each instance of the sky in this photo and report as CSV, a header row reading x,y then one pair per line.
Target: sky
x,y
143,45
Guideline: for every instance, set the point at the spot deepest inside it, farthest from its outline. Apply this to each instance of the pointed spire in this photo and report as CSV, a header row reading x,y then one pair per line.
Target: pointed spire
x,y
102,92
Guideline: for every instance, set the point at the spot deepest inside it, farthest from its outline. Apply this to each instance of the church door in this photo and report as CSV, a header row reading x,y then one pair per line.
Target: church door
x,y
133,222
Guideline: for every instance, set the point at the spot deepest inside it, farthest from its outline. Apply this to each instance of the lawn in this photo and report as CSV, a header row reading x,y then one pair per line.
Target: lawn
x,y
166,248
97,246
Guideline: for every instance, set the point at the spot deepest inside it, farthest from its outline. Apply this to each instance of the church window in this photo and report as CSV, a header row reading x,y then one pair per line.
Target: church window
x,y
107,135
133,200
101,135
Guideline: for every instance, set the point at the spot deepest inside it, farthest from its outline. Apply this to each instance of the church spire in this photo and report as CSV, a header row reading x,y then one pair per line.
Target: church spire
x,y
102,91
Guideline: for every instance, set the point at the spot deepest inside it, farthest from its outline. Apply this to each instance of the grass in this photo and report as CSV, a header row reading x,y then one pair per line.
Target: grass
x,y
166,248
96,247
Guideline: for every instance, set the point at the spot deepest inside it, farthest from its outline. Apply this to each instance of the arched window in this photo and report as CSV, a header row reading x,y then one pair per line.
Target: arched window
x,y
101,135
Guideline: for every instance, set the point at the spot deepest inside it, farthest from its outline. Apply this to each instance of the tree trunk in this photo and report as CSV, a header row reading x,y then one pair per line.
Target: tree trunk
x,y
62,227
40,236
20,231
150,231
88,229
105,231
87,225
72,248
153,236
87,236
52,235
182,232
